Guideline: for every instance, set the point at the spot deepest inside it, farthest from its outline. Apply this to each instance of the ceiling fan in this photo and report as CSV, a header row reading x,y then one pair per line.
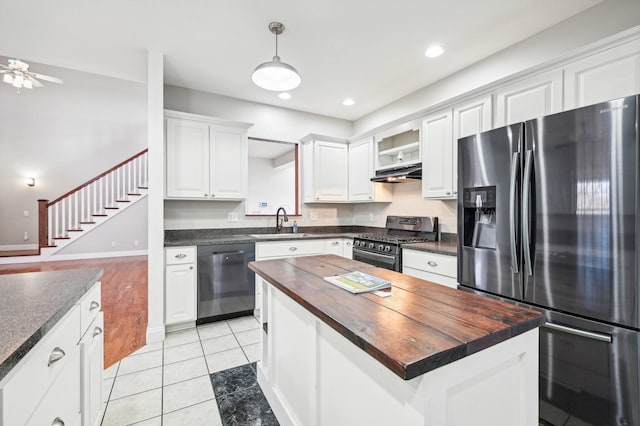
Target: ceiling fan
x,y
18,75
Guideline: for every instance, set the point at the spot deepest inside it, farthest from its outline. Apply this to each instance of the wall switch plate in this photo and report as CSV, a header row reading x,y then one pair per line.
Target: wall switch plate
x,y
371,217
136,242
113,243
314,215
26,213
232,217
26,236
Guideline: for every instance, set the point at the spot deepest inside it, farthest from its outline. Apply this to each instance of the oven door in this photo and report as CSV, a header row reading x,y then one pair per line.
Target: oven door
x,y
380,260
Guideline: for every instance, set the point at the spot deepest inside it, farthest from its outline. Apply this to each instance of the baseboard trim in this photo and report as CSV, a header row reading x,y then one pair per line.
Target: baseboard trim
x,y
17,247
80,256
155,334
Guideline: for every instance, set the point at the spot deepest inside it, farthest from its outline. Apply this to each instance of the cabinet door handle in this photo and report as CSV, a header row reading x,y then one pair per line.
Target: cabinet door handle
x,y
448,193
97,331
432,263
455,192
57,422
94,305
191,267
181,256
335,243
206,195
317,198
213,195
56,355
293,248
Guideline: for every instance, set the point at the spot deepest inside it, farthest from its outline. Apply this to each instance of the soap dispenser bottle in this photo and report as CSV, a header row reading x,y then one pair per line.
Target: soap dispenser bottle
x,y
295,227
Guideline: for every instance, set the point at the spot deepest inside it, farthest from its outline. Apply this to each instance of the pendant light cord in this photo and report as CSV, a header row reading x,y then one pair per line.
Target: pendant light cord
x,y
276,43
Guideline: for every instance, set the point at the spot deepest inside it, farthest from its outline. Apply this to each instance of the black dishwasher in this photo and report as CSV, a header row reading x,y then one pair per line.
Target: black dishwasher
x,y
226,285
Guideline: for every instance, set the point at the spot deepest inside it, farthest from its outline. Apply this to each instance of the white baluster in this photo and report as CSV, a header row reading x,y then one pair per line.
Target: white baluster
x,y
49,226
76,225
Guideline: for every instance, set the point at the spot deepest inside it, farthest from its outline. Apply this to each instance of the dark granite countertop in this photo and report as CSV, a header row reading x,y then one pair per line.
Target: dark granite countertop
x,y
439,247
421,327
32,303
201,237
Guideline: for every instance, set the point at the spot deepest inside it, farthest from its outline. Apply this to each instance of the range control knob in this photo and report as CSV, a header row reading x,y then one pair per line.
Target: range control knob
x,y
387,248
380,247
371,245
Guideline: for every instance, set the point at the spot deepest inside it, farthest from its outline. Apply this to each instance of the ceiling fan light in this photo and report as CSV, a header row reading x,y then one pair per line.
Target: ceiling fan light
x,y
8,78
27,84
276,76
17,81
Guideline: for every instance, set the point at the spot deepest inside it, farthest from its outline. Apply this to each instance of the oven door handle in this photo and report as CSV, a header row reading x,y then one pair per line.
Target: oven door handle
x,y
374,256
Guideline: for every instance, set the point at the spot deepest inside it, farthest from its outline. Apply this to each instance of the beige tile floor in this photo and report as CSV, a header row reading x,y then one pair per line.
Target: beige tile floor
x,y
167,383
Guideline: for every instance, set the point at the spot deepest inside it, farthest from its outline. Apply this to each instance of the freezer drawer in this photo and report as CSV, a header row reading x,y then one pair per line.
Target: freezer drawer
x,y
588,371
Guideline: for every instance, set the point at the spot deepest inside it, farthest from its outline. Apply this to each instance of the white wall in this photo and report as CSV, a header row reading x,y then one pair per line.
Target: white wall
x,y
603,20
269,122
63,135
407,201
275,186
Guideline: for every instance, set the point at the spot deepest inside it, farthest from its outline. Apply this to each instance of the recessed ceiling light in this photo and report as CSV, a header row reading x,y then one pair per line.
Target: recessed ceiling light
x,y
284,95
348,102
434,51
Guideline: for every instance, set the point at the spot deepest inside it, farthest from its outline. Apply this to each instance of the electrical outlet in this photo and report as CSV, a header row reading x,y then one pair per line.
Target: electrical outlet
x,y
113,243
232,217
136,242
371,217
314,215
26,236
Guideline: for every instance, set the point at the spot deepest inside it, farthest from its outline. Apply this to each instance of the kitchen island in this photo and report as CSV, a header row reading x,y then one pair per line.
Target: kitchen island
x,y
427,355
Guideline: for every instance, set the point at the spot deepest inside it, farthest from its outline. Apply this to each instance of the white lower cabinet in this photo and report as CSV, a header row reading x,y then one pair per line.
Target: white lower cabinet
x,y
59,381
180,285
91,366
437,268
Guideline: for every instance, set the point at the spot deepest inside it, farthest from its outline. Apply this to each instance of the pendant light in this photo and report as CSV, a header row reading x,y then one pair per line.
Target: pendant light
x,y
276,75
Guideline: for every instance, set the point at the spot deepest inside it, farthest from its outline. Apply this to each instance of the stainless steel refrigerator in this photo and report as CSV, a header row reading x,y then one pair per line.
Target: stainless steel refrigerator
x,y
547,218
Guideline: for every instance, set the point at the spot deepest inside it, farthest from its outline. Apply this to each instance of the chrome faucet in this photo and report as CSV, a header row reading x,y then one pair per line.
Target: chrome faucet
x,y
279,222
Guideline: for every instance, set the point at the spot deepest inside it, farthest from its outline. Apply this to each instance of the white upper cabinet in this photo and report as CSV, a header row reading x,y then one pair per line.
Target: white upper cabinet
x,y
530,98
187,152
229,162
324,170
471,117
205,159
437,161
611,74
361,170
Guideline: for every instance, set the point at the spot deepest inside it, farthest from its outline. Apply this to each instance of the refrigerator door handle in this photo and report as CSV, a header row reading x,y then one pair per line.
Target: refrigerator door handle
x,y
578,332
526,203
515,163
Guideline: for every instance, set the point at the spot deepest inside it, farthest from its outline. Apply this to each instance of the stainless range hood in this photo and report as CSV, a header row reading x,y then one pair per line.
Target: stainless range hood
x,y
399,174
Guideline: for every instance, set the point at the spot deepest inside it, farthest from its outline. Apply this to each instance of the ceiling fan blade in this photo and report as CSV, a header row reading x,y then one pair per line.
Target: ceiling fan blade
x,y
4,66
46,77
3,71
33,81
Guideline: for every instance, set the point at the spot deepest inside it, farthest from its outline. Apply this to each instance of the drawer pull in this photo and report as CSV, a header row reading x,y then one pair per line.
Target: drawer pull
x,y
94,305
432,263
97,331
56,355
57,422
335,243
293,248
181,256
191,267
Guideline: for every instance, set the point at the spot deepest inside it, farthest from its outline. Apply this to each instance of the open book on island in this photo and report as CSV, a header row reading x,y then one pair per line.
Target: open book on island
x,y
358,282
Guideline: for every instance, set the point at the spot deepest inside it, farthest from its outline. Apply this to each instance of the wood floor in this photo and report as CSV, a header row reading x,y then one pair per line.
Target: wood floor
x,y
124,299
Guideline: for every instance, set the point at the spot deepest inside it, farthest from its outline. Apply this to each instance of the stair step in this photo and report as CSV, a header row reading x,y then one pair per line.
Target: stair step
x,y
143,187
112,208
99,215
123,201
134,193
87,223
61,238
74,230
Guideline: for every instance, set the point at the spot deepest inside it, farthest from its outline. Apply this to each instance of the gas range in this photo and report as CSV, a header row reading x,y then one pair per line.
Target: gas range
x,y
383,249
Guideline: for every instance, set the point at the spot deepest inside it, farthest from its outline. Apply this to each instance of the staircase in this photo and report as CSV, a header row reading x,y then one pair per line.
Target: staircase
x,y
86,207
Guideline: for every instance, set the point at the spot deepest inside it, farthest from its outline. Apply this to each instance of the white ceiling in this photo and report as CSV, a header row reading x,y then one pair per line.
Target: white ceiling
x,y
369,50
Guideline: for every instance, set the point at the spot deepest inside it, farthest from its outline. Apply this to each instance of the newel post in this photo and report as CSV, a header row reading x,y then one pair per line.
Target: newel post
x,y
43,224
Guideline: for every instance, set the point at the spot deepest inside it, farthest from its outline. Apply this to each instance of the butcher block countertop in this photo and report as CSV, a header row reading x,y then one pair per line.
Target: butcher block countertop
x,y
421,327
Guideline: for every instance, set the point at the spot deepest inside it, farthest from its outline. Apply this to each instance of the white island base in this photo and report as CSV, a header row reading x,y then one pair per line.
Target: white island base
x,y
312,375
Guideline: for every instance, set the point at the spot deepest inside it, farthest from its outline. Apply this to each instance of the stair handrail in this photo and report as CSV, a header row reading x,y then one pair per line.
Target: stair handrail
x,y
46,240
101,175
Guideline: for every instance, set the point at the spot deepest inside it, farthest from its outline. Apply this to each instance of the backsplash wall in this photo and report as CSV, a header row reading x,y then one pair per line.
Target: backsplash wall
x,y
407,201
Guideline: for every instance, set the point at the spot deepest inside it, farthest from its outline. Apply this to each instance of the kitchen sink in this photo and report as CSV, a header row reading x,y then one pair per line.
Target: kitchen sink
x,y
279,236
